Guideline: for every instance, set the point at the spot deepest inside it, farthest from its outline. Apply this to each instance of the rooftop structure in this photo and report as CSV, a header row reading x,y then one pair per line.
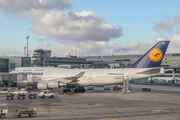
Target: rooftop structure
x,y
43,58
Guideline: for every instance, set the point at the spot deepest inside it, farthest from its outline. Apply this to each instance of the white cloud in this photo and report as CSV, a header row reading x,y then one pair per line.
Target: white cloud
x,y
174,44
141,48
85,48
50,19
169,24
10,52
20,6
98,48
75,26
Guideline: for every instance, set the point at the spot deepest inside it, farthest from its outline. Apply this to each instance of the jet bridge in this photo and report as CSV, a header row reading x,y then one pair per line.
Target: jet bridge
x,y
15,79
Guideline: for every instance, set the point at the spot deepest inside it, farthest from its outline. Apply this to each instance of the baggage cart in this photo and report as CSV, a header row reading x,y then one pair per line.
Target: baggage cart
x,y
21,96
9,96
31,96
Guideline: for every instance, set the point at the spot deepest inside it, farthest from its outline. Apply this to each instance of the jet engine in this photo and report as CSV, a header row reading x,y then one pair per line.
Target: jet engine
x,y
52,84
42,86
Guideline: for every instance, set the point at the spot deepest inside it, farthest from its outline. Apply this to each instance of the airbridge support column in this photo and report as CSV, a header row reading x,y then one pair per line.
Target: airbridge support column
x,y
126,87
173,73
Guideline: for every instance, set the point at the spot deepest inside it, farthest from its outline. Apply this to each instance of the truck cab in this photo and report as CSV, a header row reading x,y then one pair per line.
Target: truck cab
x,y
45,93
3,111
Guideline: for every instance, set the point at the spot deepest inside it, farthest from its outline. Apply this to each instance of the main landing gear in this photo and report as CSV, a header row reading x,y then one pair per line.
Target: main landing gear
x,y
79,90
76,90
66,90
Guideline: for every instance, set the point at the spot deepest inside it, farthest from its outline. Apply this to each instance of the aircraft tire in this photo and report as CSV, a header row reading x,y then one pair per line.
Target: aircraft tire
x,y
76,90
83,90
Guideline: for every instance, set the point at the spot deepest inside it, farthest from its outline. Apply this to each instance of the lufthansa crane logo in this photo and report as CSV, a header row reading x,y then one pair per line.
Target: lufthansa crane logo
x,y
155,55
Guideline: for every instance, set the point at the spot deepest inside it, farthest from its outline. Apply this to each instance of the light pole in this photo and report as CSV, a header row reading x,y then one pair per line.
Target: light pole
x,y
27,45
24,51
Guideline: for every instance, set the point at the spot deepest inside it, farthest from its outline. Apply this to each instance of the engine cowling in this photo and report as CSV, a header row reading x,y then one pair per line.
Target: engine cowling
x,y
42,86
53,84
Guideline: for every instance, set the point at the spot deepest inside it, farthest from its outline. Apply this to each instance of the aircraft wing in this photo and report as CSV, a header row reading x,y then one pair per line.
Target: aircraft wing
x,y
75,77
68,79
55,83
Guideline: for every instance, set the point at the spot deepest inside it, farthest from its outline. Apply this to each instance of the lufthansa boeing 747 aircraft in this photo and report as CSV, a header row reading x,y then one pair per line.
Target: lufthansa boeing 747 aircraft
x,y
49,78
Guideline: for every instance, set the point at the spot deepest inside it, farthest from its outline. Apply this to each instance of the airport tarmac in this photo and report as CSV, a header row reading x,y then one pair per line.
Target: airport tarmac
x,y
163,103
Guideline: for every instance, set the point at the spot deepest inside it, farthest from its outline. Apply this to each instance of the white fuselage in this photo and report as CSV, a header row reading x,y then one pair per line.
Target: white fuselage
x,y
95,77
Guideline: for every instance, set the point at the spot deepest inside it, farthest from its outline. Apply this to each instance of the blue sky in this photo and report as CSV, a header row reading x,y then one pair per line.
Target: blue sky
x,y
137,18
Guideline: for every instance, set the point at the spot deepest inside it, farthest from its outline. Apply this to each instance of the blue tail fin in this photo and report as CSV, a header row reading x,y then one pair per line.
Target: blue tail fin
x,y
153,57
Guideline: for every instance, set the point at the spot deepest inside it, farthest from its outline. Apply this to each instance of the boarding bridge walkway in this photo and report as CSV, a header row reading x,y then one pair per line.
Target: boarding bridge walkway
x,y
14,79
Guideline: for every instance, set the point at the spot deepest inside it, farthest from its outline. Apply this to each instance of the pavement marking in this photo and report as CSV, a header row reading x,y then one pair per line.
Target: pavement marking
x,y
65,112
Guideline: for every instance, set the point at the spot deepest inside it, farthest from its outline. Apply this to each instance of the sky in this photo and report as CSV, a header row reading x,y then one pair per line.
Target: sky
x,y
93,27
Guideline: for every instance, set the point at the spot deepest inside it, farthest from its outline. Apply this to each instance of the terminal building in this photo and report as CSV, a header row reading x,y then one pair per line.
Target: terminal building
x,y
43,58
8,63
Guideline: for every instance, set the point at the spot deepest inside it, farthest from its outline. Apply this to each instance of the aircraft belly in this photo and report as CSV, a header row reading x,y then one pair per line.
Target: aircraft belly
x,y
105,80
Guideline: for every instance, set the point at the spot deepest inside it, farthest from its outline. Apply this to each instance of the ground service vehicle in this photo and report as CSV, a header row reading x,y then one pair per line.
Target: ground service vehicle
x,y
90,88
30,112
46,93
3,111
4,91
146,89
117,87
107,88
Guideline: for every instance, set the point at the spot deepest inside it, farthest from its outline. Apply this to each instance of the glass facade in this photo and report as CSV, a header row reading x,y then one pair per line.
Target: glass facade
x,y
25,62
4,65
12,65
39,56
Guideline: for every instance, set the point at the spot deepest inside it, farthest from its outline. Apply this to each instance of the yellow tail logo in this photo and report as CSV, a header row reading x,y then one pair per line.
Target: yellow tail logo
x,y
155,55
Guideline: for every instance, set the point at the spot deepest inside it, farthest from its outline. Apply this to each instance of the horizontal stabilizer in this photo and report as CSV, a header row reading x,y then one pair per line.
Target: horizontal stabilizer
x,y
151,71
